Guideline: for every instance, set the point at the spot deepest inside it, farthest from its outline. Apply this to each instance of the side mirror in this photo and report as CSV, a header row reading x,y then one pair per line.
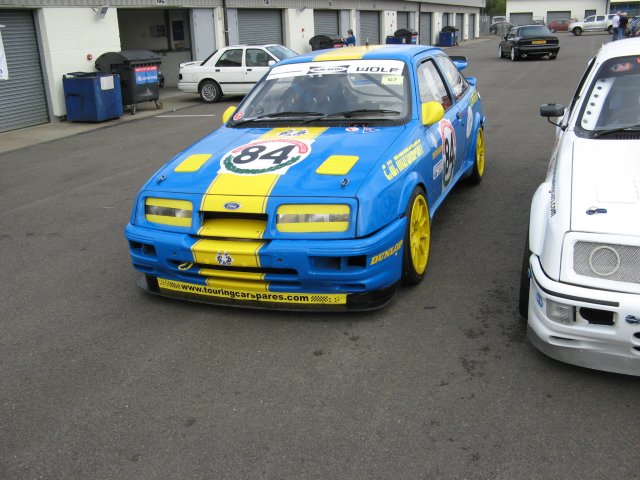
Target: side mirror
x,y
271,63
459,61
549,110
472,81
552,110
432,112
228,113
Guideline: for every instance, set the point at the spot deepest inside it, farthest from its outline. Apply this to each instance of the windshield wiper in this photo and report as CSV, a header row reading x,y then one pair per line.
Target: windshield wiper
x,y
355,113
269,116
602,133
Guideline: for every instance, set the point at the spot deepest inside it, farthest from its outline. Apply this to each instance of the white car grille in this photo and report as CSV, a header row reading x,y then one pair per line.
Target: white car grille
x,y
607,261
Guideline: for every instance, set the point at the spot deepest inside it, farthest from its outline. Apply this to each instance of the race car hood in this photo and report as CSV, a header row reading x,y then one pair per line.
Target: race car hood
x,y
313,162
606,187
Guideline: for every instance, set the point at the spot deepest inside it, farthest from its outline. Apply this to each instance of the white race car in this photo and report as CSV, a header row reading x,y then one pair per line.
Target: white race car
x,y
580,285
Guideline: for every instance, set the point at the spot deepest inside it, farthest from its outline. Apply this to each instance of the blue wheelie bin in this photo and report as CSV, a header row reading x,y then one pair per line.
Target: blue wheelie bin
x,y
92,97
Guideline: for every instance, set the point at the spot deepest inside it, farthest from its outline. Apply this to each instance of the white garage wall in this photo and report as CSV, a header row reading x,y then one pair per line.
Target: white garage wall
x,y
298,29
539,8
68,36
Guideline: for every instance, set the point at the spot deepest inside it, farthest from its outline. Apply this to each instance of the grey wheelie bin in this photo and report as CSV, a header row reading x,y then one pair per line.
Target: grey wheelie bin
x,y
138,70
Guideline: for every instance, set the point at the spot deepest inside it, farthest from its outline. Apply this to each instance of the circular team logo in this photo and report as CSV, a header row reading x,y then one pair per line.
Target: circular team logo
x,y
448,135
265,156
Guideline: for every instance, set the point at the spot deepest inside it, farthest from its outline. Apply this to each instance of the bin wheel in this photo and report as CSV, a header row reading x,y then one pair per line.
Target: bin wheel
x,y
158,104
210,91
133,109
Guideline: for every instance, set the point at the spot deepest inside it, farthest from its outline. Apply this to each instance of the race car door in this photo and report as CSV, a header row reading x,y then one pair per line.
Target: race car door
x,y
441,137
458,88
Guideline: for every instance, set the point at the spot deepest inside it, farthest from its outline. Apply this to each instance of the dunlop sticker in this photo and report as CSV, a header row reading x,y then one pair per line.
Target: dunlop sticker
x,y
386,254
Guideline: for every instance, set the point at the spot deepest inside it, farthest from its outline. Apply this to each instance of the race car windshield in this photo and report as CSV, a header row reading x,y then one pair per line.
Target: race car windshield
x,y
613,99
329,92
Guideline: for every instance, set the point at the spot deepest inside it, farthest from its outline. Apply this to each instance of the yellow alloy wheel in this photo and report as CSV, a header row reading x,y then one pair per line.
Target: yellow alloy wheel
x,y
419,234
480,152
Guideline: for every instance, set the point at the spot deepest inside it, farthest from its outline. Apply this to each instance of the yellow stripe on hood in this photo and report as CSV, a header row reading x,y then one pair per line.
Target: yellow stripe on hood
x,y
251,192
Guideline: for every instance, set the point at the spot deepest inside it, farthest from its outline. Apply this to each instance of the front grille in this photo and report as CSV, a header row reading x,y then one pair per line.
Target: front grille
x,y
619,263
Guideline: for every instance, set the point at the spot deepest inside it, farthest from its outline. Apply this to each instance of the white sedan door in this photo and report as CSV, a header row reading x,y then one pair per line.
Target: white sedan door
x,y
256,65
228,71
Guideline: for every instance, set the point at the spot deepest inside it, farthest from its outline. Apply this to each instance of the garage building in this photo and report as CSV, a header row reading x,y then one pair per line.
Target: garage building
x,y
41,37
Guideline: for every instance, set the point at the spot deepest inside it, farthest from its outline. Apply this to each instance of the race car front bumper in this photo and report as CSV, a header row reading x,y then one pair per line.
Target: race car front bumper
x,y
591,328
345,274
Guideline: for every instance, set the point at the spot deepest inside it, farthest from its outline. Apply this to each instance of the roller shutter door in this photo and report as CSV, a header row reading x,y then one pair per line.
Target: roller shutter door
x,y
259,26
446,19
22,97
325,22
472,26
521,18
369,28
426,37
403,20
459,24
551,16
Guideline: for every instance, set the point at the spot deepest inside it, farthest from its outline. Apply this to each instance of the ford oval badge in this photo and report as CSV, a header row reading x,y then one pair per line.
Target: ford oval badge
x,y
231,206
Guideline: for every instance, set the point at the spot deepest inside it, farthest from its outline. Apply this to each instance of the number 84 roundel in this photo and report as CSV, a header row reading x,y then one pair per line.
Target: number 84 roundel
x,y
273,156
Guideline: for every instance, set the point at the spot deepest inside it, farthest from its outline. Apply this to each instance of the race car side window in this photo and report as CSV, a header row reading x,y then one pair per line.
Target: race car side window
x,y
457,82
431,85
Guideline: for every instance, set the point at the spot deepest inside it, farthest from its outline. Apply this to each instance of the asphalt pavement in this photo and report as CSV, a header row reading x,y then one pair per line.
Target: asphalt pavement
x,y
102,381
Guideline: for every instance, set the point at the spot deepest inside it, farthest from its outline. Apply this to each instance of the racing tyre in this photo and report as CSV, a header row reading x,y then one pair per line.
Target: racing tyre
x,y
523,300
478,165
515,55
417,239
553,56
577,31
500,52
210,91
610,29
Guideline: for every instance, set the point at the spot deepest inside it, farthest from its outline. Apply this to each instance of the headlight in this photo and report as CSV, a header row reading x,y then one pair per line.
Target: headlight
x,y
313,218
168,212
561,313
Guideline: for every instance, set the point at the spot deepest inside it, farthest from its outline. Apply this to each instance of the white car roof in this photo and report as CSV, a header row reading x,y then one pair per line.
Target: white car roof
x,y
620,48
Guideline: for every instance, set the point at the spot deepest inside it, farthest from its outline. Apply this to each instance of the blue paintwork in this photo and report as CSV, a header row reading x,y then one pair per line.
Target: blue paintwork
x,y
379,198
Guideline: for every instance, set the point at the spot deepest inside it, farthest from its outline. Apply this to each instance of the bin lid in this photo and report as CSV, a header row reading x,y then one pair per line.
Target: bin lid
x,y
104,61
404,31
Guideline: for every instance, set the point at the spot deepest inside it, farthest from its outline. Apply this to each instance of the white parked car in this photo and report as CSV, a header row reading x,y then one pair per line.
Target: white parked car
x,y
593,23
580,284
230,70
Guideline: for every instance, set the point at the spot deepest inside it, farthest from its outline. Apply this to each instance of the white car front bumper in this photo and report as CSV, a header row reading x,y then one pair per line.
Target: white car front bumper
x,y
603,332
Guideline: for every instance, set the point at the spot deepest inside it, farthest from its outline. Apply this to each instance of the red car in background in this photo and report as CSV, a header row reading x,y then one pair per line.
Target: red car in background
x,y
560,25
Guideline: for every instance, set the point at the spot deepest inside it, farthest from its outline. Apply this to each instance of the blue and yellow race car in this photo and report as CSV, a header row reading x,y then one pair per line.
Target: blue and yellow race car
x,y
319,189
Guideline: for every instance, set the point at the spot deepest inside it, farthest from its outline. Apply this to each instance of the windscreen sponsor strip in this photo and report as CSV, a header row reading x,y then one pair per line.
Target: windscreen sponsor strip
x,y
389,69
246,295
